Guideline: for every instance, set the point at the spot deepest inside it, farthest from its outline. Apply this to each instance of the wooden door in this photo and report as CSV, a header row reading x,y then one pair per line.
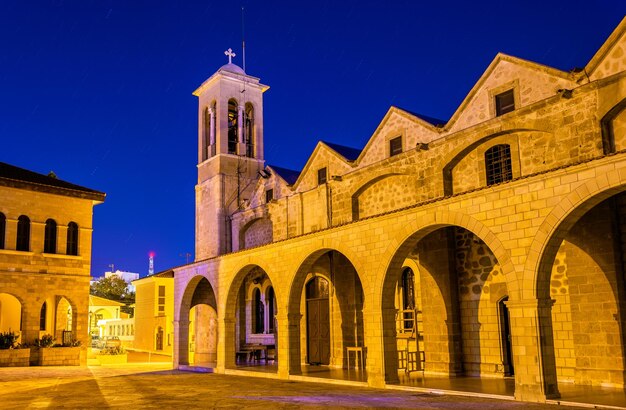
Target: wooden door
x,y
318,322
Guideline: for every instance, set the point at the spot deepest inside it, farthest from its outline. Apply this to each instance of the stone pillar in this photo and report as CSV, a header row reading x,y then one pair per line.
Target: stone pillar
x,y
211,147
241,146
282,345
226,345
533,350
10,234
293,343
380,351
62,239
390,346
181,343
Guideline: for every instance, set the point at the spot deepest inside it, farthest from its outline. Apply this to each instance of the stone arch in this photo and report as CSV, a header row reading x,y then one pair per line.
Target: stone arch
x,y
231,306
258,231
354,284
363,187
542,250
199,290
393,260
451,160
60,317
10,320
595,199
414,231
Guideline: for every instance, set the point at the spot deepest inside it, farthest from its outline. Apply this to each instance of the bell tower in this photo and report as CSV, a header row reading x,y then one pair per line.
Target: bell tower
x,y
230,152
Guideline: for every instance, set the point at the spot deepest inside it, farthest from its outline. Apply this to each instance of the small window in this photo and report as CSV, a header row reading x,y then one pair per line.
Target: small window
x,y
42,316
498,164
3,227
395,146
23,234
505,102
50,237
321,176
72,238
162,291
269,196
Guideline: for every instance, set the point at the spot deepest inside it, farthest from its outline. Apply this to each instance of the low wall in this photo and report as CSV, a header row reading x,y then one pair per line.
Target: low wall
x,y
14,357
55,356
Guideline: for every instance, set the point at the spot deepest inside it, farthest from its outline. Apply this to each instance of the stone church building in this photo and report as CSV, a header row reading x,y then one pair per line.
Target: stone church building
x,y
489,245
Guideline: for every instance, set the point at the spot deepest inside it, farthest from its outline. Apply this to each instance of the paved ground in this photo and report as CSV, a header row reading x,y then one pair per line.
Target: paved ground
x,y
151,386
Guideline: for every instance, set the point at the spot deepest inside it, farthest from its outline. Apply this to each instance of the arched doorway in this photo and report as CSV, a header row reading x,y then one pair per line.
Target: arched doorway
x,y
581,274
326,311
255,332
197,345
10,314
441,299
63,321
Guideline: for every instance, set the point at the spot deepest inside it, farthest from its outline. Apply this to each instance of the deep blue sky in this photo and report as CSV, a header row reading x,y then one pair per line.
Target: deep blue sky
x,y
100,91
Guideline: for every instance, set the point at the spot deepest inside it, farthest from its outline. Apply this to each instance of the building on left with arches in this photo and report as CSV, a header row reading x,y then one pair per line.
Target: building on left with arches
x,y
45,254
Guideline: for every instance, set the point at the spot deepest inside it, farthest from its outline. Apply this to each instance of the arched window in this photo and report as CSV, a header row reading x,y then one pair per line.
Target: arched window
x,y
408,298
3,228
270,310
233,124
205,138
72,238
498,164
259,312
23,234
50,237
408,289
42,316
249,131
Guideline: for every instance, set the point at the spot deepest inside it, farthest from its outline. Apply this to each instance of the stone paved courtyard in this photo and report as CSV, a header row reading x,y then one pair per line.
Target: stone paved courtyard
x,y
150,386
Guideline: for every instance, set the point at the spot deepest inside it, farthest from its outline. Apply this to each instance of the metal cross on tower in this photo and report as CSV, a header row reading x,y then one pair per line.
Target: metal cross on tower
x,y
230,55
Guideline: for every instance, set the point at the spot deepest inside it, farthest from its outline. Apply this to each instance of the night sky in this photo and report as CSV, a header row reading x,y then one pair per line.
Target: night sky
x,y
100,91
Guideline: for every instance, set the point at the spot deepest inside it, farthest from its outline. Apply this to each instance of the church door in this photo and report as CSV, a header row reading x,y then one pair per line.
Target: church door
x,y
318,321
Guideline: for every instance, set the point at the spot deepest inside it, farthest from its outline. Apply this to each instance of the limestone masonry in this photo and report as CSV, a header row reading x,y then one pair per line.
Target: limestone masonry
x,y
491,244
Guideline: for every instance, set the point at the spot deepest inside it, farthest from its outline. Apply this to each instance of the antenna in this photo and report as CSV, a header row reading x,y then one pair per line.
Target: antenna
x,y
243,40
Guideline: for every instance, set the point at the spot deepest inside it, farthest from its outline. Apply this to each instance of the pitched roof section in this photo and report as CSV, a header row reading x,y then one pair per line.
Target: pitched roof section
x,y
17,177
431,120
349,153
99,301
288,175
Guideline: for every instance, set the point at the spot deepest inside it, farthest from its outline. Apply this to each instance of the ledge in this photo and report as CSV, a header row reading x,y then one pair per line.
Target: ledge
x,y
14,252
61,256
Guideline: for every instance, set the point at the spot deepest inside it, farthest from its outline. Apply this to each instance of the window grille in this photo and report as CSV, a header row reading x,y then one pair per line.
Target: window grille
x,y
498,164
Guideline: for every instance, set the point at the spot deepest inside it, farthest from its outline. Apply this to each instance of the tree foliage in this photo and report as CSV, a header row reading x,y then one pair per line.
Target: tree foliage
x,y
114,288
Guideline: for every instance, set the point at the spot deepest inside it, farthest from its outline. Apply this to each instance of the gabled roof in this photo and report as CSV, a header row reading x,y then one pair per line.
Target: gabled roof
x,y
99,301
348,153
432,120
17,177
500,57
604,50
288,175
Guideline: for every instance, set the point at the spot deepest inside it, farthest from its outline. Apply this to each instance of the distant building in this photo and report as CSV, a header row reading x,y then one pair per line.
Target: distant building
x,y
107,319
154,313
45,254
